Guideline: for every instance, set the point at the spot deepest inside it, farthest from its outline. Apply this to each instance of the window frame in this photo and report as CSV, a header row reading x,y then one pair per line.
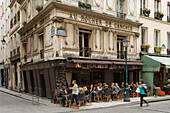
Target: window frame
x,y
145,35
156,38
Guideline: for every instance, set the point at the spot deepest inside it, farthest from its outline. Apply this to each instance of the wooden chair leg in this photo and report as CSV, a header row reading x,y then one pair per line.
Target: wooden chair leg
x,y
98,99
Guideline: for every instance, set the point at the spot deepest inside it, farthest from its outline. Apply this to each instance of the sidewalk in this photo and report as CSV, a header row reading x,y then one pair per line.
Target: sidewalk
x,y
95,105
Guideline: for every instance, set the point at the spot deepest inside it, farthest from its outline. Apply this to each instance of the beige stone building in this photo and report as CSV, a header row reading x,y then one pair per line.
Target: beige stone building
x,y
63,40
155,32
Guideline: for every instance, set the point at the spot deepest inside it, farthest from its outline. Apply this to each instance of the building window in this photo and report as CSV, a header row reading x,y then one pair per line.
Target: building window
x,y
143,35
157,5
168,41
120,6
143,5
120,48
84,49
156,37
168,12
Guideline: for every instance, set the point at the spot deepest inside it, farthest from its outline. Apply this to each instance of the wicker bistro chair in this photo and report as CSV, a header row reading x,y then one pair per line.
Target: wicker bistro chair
x,y
149,93
133,92
120,94
57,99
88,99
107,96
81,99
98,95
68,101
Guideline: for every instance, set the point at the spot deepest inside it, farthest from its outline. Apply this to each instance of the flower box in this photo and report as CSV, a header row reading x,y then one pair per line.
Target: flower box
x,y
145,48
146,12
39,8
84,5
24,22
157,49
159,15
168,51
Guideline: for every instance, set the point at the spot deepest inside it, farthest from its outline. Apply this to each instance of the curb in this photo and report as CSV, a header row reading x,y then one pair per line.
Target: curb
x,y
21,97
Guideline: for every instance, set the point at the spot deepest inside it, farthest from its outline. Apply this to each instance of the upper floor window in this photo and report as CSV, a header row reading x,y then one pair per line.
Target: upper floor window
x,y
157,5
143,35
156,37
168,12
120,47
143,5
120,9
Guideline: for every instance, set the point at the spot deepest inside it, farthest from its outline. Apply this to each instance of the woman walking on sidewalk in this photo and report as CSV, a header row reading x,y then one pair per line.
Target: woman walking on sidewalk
x,y
142,88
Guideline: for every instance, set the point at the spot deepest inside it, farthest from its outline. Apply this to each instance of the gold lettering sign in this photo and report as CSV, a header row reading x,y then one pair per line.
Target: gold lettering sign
x,y
89,66
100,22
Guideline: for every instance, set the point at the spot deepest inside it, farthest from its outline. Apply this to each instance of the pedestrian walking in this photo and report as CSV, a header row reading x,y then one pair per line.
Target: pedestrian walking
x,y
74,93
142,88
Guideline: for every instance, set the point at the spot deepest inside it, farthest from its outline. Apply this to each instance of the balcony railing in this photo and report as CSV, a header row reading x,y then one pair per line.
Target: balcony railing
x,y
120,54
85,52
42,53
121,15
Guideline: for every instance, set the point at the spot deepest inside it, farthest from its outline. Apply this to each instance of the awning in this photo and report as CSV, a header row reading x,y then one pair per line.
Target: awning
x,y
153,63
91,61
129,63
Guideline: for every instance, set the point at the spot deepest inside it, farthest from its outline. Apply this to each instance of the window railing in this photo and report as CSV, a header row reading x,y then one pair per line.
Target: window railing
x,y
121,54
42,53
121,15
85,52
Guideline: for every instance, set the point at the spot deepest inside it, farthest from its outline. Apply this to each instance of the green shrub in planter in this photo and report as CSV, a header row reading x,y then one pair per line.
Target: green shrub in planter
x,y
39,8
24,22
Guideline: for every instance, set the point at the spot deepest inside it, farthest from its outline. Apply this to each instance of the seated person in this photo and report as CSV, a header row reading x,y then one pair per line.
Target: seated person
x,y
105,89
80,92
96,84
86,92
123,85
115,89
99,88
116,84
61,97
91,88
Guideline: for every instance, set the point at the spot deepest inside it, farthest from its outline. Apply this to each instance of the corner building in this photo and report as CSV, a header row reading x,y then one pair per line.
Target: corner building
x,y
66,40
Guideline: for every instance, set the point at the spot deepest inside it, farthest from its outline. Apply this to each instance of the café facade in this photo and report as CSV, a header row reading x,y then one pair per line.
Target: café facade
x,y
62,43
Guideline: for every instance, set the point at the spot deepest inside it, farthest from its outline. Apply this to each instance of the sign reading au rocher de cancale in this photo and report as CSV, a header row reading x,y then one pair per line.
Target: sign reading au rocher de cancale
x,y
100,22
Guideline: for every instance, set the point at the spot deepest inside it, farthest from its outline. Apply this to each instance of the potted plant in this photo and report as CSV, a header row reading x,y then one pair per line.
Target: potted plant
x,y
157,49
24,22
159,15
146,12
148,46
39,8
82,4
88,6
143,48
168,51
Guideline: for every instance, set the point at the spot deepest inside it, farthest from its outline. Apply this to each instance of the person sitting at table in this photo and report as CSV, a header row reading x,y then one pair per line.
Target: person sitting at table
x,y
105,89
86,92
116,84
114,89
96,84
92,89
123,85
80,90
99,88
61,96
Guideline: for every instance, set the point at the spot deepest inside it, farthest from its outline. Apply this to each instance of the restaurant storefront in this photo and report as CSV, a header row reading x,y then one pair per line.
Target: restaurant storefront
x,y
156,71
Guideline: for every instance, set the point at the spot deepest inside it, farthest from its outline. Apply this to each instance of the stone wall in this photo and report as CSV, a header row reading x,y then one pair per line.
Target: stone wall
x,y
60,77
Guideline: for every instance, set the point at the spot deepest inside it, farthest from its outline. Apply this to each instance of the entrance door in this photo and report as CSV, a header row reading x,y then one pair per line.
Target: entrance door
x,y
16,75
32,80
25,82
43,88
2,77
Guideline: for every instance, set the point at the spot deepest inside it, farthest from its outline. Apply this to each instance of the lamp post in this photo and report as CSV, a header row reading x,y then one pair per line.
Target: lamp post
x,y
126,45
